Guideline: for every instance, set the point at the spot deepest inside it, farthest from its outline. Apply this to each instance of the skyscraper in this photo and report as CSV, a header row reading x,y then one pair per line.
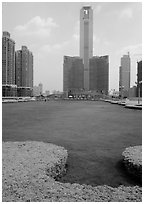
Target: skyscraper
x,y
86,40
99,74
24,71
72,74
8,65
124,75
86,73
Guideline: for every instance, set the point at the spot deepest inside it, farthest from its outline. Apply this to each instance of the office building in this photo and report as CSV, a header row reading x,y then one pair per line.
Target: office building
x,y
124,76
9,87
139,79
24,72
73,75
86,40
99,74
86,73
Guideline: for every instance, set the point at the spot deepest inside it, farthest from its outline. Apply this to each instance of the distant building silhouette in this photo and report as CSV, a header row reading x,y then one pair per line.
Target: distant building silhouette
x,y
38,90
47,92
124,75
9,87
41,88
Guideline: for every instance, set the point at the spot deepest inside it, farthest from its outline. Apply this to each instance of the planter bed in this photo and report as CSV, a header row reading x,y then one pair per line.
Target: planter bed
x,y
30,170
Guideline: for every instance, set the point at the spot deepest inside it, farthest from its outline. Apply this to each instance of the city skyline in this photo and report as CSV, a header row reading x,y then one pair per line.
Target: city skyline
x,y
17,69
51,30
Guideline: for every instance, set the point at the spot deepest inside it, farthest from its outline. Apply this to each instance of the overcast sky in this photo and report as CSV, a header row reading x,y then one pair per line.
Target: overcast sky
x,y
51,30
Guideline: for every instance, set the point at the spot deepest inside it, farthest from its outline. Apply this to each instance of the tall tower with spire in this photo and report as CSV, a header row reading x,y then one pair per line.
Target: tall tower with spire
x,y
86,40
87,72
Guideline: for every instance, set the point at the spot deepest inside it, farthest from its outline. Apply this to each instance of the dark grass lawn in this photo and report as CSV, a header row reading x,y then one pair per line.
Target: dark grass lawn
x,y
94,133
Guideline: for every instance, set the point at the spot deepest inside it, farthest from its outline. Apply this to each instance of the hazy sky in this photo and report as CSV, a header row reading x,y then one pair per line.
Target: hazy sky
x,y
51,30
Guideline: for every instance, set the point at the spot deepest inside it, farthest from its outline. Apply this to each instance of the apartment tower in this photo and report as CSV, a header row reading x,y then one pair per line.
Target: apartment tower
x,y
86,40
24,71
8,65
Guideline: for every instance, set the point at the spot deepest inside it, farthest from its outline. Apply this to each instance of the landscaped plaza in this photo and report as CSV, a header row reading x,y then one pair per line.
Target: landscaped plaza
x,y
94,133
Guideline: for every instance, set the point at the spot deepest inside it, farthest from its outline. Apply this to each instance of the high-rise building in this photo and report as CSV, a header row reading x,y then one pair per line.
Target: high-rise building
x,y
72,74
86,73
86,40
8,65
24,71
124,75
139,79
99,72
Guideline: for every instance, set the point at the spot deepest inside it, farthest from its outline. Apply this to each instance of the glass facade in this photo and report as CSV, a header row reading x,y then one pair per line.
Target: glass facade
x,y
73,73
99,74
